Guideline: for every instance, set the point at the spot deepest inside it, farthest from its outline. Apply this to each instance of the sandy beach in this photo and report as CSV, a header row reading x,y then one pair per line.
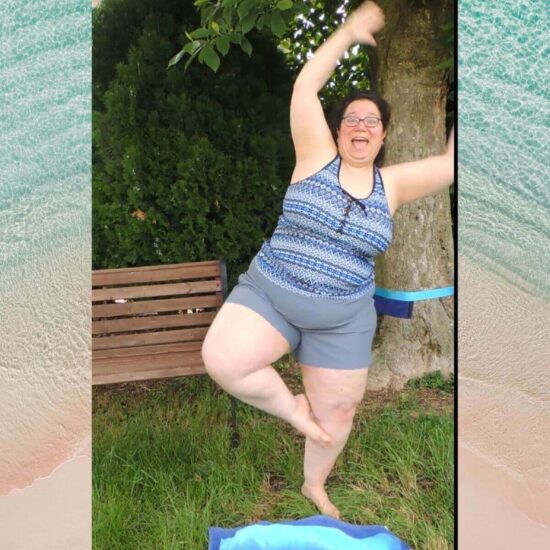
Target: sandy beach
x,y
31,520
504,414
45,440
45,327
487,520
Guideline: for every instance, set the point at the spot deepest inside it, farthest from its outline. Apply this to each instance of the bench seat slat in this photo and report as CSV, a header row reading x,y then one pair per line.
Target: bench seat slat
x,y
155,274
144,339
152,322
156,306
152,350
146,375
148,362
149,291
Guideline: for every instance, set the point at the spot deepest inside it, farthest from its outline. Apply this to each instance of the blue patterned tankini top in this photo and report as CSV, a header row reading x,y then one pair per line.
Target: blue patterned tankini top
x,y
326,239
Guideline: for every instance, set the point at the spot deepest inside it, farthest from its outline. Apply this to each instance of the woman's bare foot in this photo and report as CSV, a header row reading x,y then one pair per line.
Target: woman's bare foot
x,y
303,421
319,497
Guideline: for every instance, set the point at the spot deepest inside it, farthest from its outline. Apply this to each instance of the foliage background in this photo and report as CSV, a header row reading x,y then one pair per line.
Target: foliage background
x,y
187,165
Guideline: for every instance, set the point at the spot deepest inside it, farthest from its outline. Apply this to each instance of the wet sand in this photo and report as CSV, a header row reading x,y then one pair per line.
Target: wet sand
x,y
54,513
489,521
504,414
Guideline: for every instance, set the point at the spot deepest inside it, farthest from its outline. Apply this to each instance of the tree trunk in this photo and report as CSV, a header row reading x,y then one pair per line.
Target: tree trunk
x,y
421,255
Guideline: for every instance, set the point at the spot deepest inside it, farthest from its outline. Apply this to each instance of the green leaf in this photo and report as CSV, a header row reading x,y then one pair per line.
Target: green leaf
x,y
191,46
200,33
248,23
235,37
215,27
285,46
176,58
304,7
210,57
192,56
278,25
246,45
228,12
222,43
206,13
262,21
284,5
199,3
244,8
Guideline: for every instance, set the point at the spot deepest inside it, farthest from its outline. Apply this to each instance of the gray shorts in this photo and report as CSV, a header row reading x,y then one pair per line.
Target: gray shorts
x,y
322,332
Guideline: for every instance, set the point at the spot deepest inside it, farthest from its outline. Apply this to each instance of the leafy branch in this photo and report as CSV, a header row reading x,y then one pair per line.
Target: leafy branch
x,y
227,22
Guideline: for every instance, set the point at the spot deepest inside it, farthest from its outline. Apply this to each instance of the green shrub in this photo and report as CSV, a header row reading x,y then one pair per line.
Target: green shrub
x,y
187,166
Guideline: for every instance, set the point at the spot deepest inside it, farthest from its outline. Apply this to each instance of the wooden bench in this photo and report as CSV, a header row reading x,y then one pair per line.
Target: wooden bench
x,y
150,322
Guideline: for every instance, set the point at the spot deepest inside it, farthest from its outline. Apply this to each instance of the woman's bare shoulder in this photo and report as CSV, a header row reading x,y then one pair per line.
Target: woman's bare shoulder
x,y
307,167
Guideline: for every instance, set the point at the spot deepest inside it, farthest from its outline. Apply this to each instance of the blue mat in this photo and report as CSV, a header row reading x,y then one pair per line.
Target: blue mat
x,y
314,533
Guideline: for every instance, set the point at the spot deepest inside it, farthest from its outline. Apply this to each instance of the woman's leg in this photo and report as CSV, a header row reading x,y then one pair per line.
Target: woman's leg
x,y
238,351
333,395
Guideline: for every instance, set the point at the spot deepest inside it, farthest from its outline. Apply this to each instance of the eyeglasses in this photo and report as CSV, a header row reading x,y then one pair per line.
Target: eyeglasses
x,y
369,121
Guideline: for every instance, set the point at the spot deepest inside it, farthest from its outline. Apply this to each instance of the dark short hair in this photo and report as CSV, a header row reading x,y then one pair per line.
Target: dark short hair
x,y
337,113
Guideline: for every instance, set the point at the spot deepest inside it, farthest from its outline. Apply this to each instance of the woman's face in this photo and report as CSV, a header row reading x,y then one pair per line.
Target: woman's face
x,y
361,143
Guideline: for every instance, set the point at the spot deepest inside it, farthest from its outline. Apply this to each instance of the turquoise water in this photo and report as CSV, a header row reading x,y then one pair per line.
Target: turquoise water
x,y
45,122
504,139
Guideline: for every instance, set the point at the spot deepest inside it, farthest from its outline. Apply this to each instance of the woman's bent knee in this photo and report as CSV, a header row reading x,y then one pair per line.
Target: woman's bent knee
x,y
221,367
214,360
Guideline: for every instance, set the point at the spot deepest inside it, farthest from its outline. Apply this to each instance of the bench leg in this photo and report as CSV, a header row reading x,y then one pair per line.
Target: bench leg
x,y
234,432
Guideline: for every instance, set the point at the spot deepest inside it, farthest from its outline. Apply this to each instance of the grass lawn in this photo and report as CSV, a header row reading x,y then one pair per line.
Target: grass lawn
x,y
163,471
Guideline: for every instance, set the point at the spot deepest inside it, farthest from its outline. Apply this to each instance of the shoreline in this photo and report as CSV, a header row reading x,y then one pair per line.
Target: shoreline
x,y
45,322
503,274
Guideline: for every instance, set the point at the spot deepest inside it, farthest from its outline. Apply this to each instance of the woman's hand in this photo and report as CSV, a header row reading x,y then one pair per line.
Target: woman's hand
x,y
364,22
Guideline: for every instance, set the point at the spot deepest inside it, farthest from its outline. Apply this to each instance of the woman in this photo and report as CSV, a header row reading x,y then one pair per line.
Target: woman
x,y
310,288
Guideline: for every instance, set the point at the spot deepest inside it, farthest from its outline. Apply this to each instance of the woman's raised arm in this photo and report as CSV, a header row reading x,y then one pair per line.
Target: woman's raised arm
x,y
310,132
410,181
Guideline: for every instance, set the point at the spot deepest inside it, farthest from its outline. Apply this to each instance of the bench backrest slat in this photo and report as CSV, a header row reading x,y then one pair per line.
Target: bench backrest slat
x,y
147,338
152,322
142,291
157,306
153,273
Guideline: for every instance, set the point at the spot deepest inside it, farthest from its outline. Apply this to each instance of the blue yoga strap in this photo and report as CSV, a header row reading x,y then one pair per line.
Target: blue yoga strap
x,y
415,295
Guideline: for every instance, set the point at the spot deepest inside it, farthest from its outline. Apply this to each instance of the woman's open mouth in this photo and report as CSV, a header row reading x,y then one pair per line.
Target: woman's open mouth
x,y
360,143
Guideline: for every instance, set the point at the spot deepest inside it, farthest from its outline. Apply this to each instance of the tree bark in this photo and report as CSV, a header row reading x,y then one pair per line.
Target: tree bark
x,y
421,255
